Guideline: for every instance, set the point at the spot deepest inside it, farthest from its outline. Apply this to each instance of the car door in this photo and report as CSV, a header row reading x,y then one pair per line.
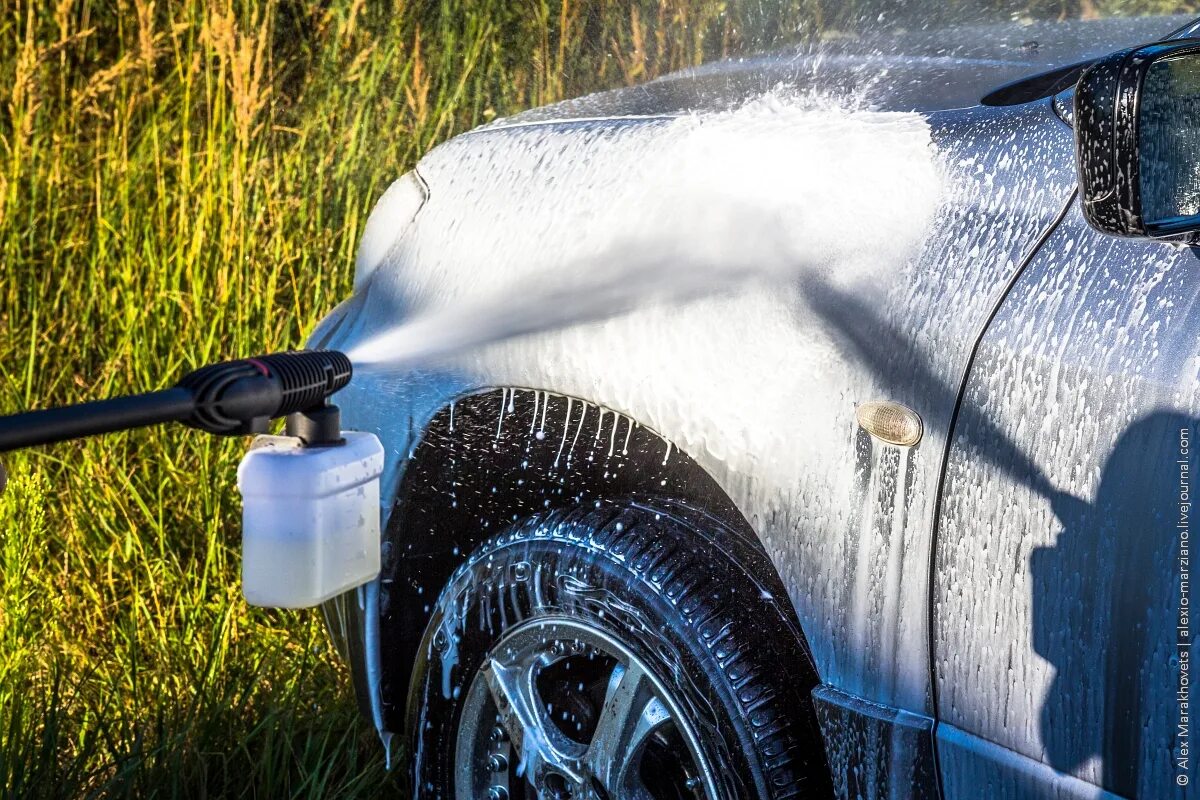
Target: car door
x,y
1061,553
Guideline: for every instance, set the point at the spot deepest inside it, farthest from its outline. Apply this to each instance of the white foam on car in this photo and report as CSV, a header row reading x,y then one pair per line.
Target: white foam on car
x,y
711,204
672,269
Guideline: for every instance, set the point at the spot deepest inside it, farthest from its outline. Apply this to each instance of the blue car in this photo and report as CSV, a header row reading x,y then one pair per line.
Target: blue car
x,y
814,424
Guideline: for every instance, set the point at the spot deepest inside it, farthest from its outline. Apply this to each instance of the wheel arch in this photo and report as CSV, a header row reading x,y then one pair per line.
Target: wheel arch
x,y
501,454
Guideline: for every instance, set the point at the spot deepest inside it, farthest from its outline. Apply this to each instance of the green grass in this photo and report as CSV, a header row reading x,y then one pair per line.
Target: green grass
x,y
184,182
181,183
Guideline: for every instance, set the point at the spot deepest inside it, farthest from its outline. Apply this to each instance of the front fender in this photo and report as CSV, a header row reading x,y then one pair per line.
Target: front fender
x,y
755,379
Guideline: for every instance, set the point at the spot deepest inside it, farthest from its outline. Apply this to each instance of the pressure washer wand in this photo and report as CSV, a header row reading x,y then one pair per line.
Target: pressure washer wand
x,y
228,399
310,500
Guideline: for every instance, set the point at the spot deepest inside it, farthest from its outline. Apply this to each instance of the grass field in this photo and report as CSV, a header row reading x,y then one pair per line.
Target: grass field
x,y
183,182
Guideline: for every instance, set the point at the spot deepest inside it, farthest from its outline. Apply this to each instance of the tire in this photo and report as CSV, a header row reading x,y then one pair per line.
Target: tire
x,y
690,679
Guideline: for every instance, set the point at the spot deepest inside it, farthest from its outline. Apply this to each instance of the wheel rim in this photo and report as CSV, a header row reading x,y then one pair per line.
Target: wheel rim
x,y
560,710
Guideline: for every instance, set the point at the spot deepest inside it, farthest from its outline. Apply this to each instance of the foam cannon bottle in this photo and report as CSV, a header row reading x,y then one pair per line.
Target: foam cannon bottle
x,y
310,499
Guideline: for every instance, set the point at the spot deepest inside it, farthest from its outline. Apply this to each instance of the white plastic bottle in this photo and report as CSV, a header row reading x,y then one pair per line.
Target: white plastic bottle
x,y
310,519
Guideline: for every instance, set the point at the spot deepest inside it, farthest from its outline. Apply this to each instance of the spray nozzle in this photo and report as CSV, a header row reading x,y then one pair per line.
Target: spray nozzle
x,y
227,399
239,397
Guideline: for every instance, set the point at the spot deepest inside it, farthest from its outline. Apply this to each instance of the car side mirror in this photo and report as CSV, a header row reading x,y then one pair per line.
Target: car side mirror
x,y
1137,140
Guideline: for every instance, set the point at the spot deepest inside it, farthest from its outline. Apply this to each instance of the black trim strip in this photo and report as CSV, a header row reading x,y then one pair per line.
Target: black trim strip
x,y
872,732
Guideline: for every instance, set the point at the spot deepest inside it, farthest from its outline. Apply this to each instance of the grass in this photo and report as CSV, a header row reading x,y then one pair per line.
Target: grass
x,y
179,183
184,182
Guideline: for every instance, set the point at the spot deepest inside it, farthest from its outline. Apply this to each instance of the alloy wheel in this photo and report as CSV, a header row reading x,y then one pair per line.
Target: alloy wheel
x,y
561,710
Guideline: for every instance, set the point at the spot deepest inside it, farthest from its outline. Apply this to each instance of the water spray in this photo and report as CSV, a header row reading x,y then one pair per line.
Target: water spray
x,y
310,498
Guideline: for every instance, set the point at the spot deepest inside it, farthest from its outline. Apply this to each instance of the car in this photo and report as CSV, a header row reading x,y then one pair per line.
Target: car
x,y
811,424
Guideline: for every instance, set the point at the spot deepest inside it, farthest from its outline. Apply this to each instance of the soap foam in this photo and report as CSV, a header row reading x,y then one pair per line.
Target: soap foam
x,y
781,188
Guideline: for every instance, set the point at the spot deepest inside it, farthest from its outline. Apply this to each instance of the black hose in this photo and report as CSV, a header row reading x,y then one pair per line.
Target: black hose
x,y
89,419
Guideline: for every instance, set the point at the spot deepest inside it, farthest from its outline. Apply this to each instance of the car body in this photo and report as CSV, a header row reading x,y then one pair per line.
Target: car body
x,y
993,607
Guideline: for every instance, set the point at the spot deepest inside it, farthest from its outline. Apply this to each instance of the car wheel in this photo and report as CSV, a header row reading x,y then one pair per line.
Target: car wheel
x,y
614,651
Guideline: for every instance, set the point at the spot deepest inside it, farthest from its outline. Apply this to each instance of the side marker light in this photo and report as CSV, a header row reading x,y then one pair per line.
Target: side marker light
x,y
891,423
